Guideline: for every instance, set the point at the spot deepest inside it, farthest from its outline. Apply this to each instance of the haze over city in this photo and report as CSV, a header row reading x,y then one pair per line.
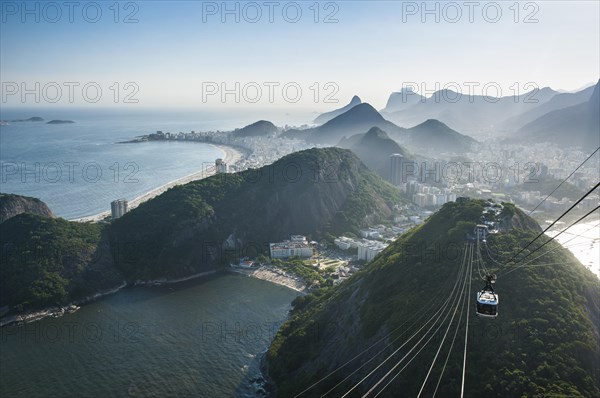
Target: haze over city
x,y
300,199
169,49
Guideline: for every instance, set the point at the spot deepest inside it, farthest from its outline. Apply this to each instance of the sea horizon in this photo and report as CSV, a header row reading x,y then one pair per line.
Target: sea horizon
x,y
78,169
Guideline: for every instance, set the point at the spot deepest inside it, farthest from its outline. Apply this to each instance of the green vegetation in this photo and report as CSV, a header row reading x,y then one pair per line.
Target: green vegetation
x,y
200,226
544,343
317,192
48,261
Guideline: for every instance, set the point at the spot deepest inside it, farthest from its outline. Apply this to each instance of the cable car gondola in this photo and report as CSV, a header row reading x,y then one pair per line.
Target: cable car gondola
x,y
487,299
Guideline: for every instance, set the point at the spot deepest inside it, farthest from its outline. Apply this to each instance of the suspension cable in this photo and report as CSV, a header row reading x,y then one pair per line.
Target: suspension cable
x,y
555,221
551,250
462,387
552,238
563,181
434,316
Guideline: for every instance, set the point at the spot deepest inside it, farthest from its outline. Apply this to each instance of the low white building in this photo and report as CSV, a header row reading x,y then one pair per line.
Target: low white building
x,y
344,243
297,246
298,238
368,250
370,233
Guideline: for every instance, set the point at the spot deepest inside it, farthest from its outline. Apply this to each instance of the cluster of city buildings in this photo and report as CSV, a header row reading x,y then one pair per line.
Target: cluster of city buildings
x,y
526,167
262,150
367,248
374,240
424,195
513,173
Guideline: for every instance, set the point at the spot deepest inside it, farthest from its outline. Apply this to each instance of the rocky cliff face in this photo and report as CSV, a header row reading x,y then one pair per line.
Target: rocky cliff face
x,y
12,205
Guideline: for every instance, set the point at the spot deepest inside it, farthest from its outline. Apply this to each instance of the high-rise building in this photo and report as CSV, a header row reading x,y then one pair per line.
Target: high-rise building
x,y
220,166
396,160
118,208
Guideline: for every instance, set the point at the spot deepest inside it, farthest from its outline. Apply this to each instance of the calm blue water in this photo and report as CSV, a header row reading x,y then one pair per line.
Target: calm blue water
x,y
198,338
78,169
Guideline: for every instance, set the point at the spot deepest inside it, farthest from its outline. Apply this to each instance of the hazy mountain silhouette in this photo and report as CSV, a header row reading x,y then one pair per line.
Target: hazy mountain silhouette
x,y
260,128
374,149
430,135
357,120
400,100
435,135
470,114
327,116
572,126
559,101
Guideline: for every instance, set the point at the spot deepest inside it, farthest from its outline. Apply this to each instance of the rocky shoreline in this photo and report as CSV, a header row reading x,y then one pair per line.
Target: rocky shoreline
x,y
165,281
263,273
37,315
33,316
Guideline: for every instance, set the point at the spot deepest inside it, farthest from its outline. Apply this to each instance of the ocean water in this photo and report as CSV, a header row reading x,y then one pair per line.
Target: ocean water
x,y
78,169
201,338
583,240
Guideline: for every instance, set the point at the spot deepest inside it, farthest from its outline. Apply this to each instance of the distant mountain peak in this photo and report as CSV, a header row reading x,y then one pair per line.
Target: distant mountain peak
x,y
327,116
260,128
376,132
402,99
361,113
581,121
364,108
432,122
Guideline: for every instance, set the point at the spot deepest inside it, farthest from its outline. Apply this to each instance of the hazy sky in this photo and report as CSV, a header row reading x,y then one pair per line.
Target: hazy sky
x,y
179,52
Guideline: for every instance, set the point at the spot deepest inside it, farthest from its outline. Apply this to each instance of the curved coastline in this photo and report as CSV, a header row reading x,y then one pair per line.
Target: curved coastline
x,y
230,155
37,315
262,273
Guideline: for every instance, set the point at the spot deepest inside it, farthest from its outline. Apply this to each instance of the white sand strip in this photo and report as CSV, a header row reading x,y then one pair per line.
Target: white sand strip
x,y
231,156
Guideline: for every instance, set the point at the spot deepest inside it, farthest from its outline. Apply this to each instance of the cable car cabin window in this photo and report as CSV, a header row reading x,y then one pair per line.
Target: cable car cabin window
x,y
487,309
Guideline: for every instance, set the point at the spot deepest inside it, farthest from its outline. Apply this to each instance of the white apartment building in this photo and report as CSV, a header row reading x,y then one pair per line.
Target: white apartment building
x,y
368,250
297,246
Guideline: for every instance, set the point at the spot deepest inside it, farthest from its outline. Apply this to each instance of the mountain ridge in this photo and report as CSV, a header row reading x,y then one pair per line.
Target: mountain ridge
x,y
257,129
374,149
576,125
470,114
197,227
327,116
12,205
545,346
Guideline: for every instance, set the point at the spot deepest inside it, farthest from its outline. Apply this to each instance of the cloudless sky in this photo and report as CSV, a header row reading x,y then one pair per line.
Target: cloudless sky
x,y
177,49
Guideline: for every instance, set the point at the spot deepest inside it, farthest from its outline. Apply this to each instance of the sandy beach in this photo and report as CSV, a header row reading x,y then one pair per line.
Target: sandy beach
x,y
273,276
231,156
